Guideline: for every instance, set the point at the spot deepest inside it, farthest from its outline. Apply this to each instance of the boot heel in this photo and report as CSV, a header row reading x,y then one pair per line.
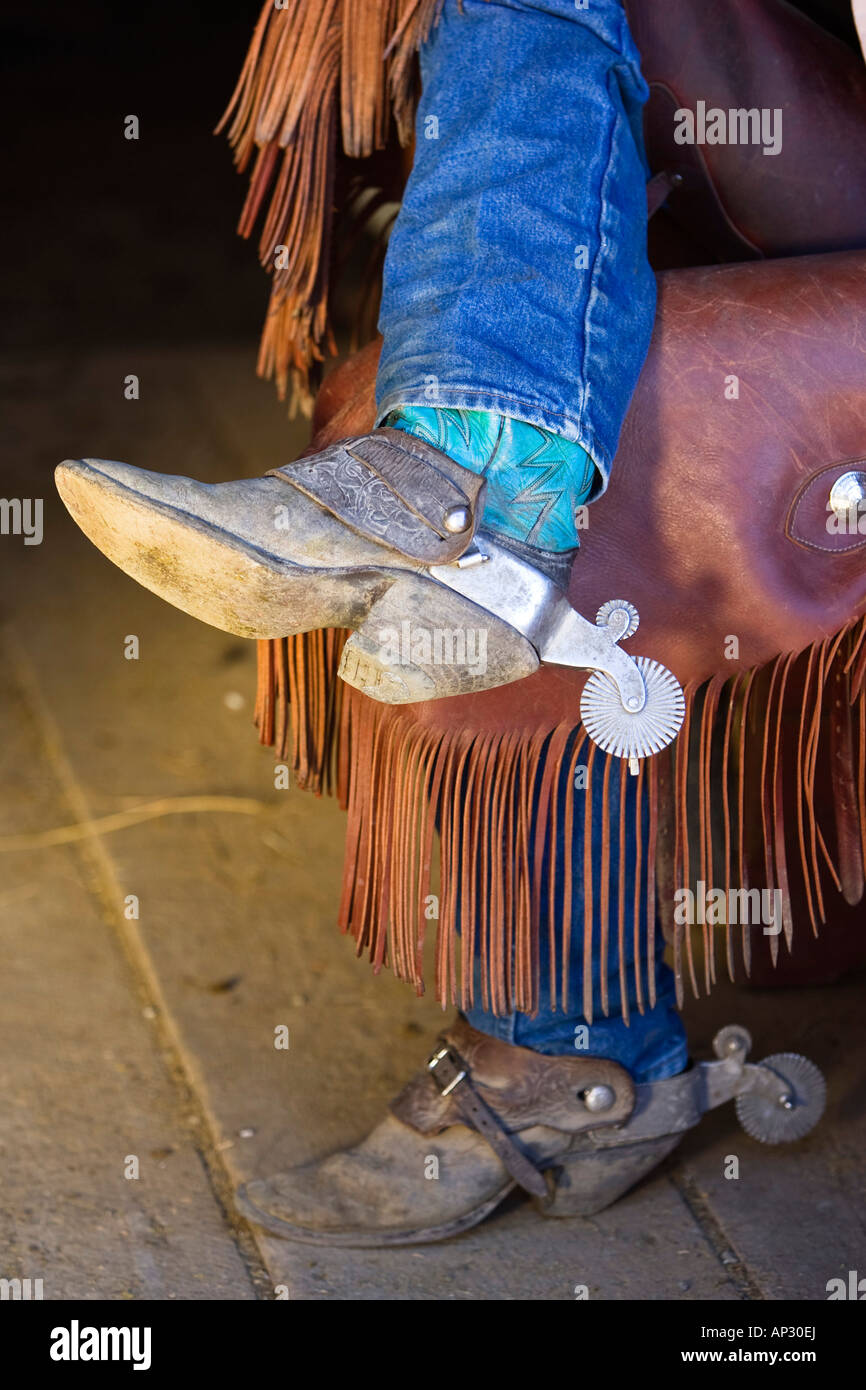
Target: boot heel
x,y
421,641
584,1183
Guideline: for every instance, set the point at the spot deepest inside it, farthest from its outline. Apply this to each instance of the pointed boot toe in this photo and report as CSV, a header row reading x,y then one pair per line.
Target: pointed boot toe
x,y
397,1187
481,1118
242,556
353,537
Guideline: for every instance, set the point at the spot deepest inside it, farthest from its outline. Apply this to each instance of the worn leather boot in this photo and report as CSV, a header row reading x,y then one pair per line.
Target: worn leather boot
x,y
481,1118
351,537
378,533
485,1116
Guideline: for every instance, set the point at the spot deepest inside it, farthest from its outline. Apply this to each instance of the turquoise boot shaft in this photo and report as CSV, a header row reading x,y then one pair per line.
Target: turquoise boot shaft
x,y
536,480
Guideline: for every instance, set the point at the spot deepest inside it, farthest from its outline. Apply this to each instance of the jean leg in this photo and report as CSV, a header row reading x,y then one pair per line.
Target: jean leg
x,y
651,1045
517,279
517,283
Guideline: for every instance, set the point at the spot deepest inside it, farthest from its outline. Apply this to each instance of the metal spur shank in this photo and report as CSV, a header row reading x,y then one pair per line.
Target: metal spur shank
x,y
631,707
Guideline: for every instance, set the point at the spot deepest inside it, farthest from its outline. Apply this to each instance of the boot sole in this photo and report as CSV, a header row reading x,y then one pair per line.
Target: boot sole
x,y
207,572
232,585
425,1235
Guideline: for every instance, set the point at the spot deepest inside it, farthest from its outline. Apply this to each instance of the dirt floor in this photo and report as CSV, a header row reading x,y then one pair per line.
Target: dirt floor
x,y
148,959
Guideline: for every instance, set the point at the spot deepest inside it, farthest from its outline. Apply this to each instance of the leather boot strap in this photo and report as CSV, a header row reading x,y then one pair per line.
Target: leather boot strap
x,y
396,490
451,1075
499,1089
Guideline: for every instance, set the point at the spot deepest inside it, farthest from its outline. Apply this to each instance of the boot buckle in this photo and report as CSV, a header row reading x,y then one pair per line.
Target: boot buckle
x,y
454,1072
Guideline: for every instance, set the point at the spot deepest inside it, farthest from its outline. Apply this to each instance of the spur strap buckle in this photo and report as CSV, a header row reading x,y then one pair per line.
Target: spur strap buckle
x,y
453,1070
449,1071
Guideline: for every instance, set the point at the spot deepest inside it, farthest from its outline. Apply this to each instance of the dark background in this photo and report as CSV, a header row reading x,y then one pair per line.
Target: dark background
x,y
107,241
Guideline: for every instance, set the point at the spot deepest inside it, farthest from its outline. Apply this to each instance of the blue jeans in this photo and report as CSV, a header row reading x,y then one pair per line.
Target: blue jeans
x,y
517,282
517,279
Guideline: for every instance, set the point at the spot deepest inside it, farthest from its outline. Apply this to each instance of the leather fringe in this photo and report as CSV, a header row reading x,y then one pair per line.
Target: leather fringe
x,y
732,806
315,69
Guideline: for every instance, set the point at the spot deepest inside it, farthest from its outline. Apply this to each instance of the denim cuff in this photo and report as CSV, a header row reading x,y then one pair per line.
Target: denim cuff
x,y
652,1046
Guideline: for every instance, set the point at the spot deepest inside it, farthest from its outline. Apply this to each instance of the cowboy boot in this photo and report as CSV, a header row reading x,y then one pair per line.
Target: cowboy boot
x,y
485,1116
380,534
